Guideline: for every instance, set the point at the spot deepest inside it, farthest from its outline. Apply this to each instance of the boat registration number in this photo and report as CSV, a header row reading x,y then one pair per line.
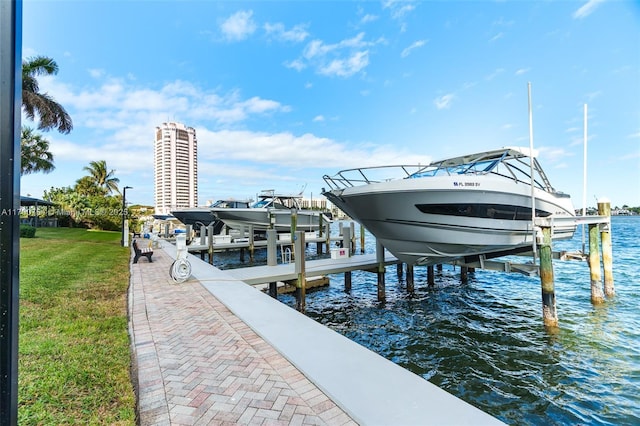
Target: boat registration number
x,y
466,184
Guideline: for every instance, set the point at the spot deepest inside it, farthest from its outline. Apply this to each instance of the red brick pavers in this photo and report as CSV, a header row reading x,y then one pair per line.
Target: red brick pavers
x,y
198,364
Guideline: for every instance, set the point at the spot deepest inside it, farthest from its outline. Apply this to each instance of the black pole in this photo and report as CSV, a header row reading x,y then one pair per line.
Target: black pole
x,y
10,106
124,211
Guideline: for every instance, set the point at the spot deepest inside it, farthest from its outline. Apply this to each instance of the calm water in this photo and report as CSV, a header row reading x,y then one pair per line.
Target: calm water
x,y
484,341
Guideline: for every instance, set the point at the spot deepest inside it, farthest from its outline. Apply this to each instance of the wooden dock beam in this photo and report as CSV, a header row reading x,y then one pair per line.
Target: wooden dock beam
x,y
410,285
597,295
301,288
272,258
604,209
549,311
208,233
347,282
381,271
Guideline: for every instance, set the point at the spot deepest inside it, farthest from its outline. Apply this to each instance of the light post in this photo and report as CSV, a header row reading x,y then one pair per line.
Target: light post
x,y
124,210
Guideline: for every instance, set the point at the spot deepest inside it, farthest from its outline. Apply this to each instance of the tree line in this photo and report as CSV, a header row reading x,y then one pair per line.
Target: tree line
x,y
95,199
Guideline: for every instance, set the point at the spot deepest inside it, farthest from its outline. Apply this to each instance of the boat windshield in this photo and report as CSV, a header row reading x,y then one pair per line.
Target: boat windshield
x,y
277,203
262,204
507,162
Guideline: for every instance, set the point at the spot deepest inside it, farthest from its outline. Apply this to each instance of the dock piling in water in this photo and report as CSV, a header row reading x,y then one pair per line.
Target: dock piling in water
x,y
464,274
347,281
604,209
301,289
410,285
381,271
549,311
597,294
209,236
430,276
346,239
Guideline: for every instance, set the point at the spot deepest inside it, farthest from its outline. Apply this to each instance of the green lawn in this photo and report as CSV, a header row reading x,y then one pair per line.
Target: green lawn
x,y
74,355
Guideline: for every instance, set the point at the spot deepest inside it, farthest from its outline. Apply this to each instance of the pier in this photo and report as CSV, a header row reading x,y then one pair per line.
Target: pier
x,y
214,349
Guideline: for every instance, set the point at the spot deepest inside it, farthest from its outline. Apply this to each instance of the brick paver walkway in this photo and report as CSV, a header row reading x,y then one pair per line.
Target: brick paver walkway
x,y
198,364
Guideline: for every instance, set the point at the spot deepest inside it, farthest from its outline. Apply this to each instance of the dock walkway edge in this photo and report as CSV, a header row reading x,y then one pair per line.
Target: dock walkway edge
x,y
368,387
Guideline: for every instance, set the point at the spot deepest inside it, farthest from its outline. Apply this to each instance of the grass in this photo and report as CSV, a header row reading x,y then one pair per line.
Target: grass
x,y
74,354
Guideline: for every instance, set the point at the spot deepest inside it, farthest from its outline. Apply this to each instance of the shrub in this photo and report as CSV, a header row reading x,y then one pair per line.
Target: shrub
x,y
27,231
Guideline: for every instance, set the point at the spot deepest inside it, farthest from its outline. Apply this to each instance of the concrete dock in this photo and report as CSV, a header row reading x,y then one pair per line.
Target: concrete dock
x,y
214,350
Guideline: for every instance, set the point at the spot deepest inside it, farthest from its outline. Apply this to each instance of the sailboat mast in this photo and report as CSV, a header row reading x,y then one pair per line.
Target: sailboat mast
x,y
584,176
533,195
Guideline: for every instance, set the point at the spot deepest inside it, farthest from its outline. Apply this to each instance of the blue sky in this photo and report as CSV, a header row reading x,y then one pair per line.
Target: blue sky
x,y
281,93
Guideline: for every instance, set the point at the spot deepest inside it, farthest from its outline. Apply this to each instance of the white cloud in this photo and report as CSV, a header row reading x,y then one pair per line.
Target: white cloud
x,y
416,44
444,101
399,9
496,37
296,64
348,66
296,34
318,118
238,26
96,73
368,18
522,71
495,73
342,59
586,9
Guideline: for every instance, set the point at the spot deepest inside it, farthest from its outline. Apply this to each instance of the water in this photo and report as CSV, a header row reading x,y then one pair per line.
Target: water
x,y
485,342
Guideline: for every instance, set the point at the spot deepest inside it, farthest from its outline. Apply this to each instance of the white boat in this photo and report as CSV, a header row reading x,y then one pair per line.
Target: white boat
x,y
272,211
203,216
458,208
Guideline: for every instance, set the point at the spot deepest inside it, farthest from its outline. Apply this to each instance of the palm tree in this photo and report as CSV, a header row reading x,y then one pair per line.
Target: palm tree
x,y
103,179
35,153
52,114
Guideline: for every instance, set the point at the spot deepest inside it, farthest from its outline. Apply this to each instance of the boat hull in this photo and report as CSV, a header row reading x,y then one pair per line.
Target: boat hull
x,y
197,216
263,219
433,220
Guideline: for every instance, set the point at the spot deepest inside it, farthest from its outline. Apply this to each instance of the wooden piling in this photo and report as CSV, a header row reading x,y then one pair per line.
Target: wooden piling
x,y
347,281
464,274
361,238
399,270
431,281
252,246
381,271
273,290
604,209
294,226
597,294
272,247
209,235
410,286
346,239
352,239
549,312
301,288
328,237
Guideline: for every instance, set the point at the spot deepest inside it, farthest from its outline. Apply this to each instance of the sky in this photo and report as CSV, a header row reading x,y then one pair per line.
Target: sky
x,y
282,93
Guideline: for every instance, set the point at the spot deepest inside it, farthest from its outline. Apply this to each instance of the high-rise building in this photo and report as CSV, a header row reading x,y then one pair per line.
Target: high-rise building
x,y
176,167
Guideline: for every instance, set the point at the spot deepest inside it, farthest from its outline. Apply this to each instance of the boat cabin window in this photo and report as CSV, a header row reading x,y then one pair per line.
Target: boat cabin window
x,y
261,203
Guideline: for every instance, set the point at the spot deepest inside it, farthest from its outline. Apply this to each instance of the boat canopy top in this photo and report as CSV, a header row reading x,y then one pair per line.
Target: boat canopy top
x,y
269,198
231,203
509,162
